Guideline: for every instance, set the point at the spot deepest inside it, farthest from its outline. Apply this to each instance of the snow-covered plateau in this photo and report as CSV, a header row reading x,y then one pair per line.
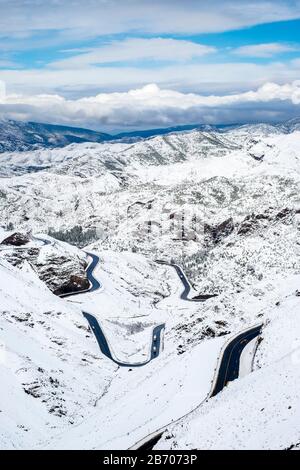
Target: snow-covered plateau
x,y
222,204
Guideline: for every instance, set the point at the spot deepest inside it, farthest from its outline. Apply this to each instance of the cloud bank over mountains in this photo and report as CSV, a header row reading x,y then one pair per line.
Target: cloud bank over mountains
x,y
90,63
153,106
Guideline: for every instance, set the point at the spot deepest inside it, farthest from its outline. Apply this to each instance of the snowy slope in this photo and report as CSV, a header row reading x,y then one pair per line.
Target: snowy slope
x,y
262,410
55,369
49,368
95,159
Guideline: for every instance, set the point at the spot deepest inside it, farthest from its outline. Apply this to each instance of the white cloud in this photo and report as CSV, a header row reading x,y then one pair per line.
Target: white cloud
x,y
263,50
207,77
8,64
77,19
2,91
150,106
131,49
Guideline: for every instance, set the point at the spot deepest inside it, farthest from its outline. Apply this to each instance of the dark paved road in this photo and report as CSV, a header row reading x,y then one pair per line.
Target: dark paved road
x,y
97,330
101,339
94,283
227,372
230,365
187,287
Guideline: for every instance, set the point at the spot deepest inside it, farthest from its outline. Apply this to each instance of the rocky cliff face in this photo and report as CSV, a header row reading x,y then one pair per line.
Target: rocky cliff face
x,y
62,271
16,239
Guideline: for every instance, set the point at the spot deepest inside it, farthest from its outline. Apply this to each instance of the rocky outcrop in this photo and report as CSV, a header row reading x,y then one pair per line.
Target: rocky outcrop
x,y
61,272
217,232
285,215
248,225
204,296
74,284
16,239
253,222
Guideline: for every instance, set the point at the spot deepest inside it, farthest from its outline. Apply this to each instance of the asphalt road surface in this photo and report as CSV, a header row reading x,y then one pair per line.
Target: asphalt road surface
x,y
230,365
97,330
227,372
103,344
94,283
186,285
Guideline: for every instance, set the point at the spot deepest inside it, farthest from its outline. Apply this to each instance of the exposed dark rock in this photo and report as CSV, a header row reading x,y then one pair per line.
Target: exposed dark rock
x,y
62,273
209,332
217,232
256,157
293,446
284,214
58,410
264,216
221,322
56,270
16,239
224,333
204,296
32,389
248,225
252,222
75,284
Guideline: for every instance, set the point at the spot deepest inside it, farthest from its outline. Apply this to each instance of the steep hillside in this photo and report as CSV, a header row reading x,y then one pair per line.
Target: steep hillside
x,y
19,136
261,410
45,351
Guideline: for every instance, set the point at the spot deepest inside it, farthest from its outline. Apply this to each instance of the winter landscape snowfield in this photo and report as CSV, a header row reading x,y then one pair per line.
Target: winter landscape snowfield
x,y
223,204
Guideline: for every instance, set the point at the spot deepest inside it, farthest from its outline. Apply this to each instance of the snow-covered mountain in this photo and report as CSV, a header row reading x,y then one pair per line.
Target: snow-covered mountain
x,y
225,205
17,136
290,126
22,136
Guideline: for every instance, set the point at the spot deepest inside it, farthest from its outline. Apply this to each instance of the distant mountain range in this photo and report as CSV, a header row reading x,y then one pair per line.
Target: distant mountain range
x,y
26,136
22,136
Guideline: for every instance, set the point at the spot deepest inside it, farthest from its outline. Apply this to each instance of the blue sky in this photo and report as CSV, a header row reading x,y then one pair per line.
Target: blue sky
x,y
76,50
42,51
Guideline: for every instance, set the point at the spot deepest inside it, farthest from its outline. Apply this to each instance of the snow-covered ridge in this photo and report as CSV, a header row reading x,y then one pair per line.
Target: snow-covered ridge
x,y
22,136
29,136
97,159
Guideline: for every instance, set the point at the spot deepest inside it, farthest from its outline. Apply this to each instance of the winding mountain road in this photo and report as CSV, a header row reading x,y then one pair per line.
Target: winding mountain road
x,y
187,286
228,365
97,330
94,283
105,349
227,370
